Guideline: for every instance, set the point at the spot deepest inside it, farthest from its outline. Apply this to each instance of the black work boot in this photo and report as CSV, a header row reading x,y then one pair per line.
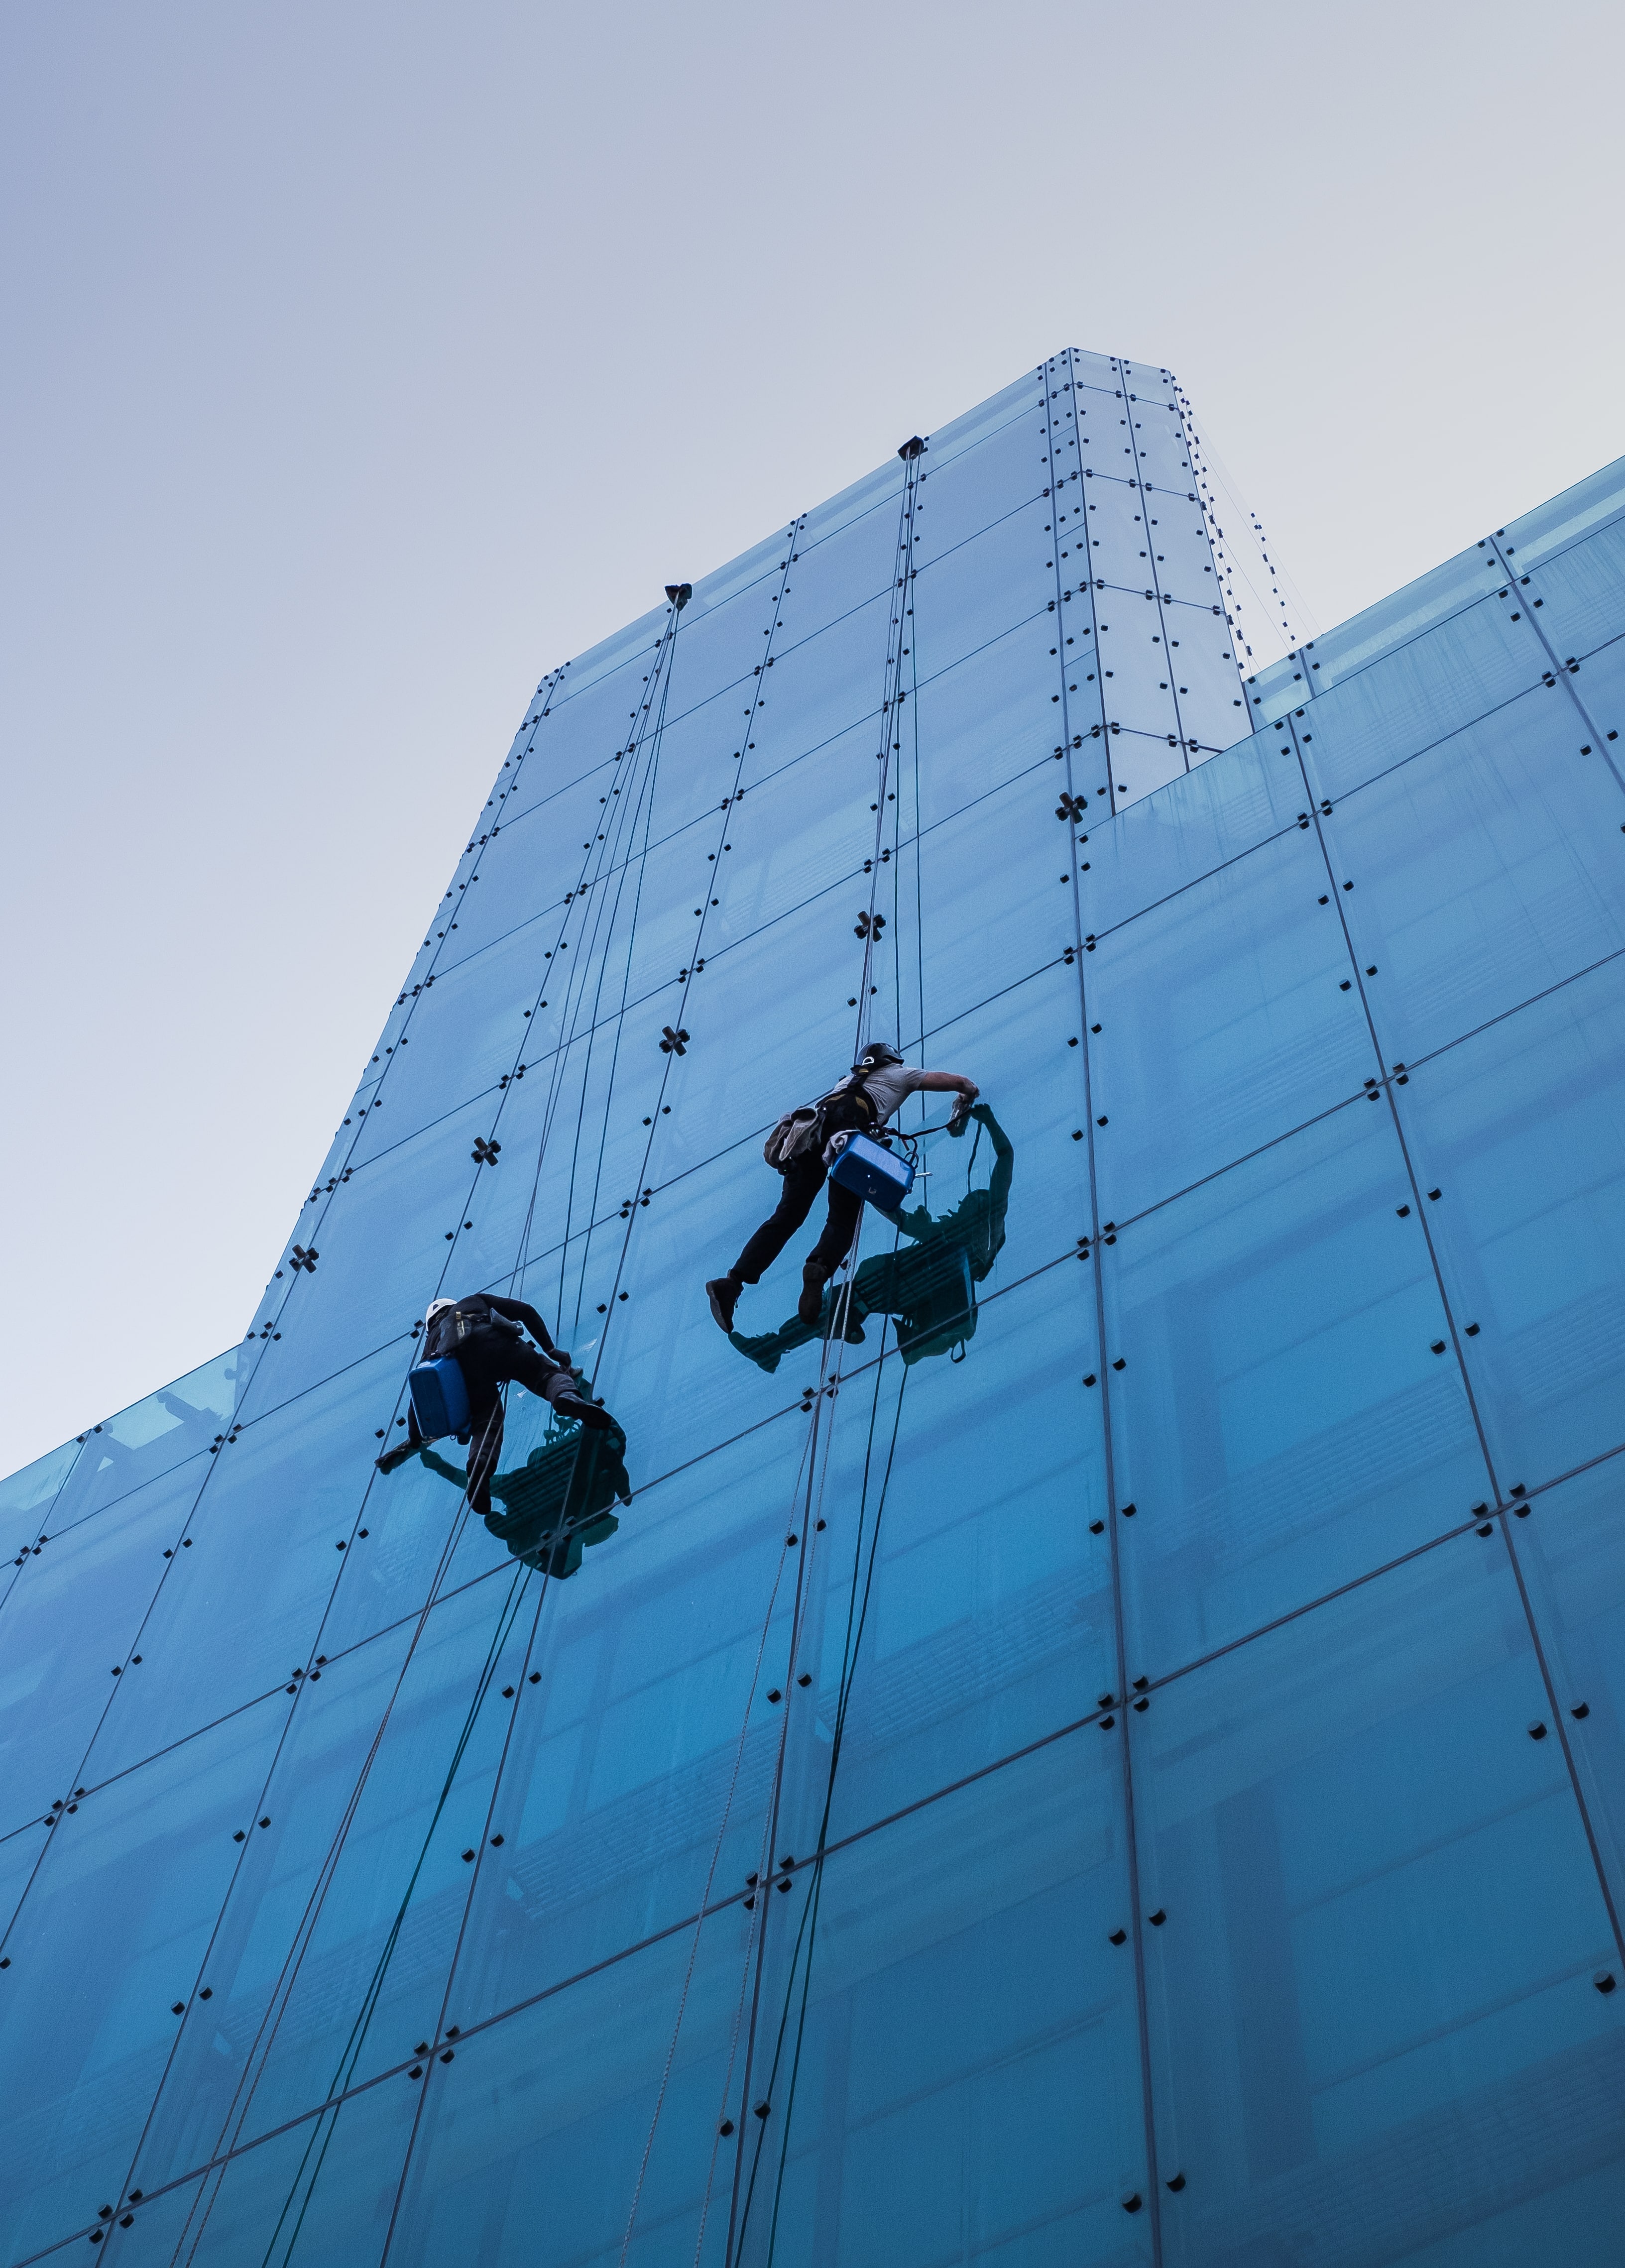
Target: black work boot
x,y
588,1413
723,1292
809,1306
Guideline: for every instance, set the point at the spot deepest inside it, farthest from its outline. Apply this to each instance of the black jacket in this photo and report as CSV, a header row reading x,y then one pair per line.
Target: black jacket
x,y
483,1305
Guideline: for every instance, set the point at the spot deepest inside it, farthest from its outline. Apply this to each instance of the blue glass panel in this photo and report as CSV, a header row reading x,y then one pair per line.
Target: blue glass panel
x,y
279,1896
965,491
556,832
950,2050
154,1435
534,2129
1227,806
122,1905
1281,1423
1599,684
988,418
1222,1023
26,1497
1480,874
146,2232
369,1974
471,1028
844,555
1581,591
1392,622
324,2190
239,1610
72,1628
383,1244
1212,713
1570,1541
826,683
962,1606
1521,1130
981,901
971,2069
1377,1924
586,721
641,1758
1466,668
21,1853
1554,526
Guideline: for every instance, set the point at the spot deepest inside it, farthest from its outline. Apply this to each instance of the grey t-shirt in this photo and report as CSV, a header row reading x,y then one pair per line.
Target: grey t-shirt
x,y
890,1085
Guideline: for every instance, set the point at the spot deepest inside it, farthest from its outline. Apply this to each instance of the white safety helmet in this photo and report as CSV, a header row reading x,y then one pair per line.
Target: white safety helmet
x,y
435,1306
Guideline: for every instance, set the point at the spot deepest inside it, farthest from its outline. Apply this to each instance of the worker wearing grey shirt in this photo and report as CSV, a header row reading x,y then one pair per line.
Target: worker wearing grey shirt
x,y
878,1082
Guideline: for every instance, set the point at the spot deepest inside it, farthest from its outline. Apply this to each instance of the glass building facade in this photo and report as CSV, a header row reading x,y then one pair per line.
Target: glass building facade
x,y
1110,1753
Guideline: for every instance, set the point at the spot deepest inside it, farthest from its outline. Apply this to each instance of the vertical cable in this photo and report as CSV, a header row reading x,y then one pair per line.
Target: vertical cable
x,y
1131,1847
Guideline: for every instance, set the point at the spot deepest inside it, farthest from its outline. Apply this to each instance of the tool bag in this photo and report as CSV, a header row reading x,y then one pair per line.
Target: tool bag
x,y
870,1171
809,1127
441,1399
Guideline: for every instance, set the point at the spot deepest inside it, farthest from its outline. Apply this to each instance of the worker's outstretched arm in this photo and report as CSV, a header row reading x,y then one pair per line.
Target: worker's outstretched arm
x,y
518,1311
949,1082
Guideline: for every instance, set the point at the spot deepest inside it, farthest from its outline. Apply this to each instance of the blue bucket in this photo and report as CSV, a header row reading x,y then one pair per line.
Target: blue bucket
x,y
440,1399
870,1171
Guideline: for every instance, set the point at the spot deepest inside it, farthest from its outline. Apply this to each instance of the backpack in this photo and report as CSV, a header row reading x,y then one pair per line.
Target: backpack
x,y
453,1325
796,1134
807,1127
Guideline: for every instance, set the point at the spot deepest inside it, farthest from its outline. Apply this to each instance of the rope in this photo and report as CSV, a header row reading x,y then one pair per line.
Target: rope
x,y
741,753
829,1385
705,1898
354,2044
803,1466
806,1933
276,2007
349,2056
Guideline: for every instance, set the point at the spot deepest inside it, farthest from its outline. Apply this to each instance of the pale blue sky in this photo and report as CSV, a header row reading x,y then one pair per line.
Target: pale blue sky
x,y
364,360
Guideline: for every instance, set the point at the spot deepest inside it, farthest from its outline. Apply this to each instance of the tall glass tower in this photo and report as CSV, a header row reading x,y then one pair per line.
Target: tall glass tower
x,y
1105,1748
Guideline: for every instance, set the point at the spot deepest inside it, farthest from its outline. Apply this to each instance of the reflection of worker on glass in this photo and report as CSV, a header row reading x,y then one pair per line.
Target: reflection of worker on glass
x,y
927,1283
481,1339
557,1502
802,1147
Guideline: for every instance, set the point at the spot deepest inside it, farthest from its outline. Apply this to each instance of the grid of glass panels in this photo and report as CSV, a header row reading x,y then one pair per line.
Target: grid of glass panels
x,y
1112,1756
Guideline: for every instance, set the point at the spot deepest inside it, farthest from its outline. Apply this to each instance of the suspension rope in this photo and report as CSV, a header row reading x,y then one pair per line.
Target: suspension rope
x,y
831,1356
282,1990
260,2047
806,1933
716,1854
350,2055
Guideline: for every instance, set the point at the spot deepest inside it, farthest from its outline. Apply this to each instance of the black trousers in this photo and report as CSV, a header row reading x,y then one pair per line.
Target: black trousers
x,y
802,1185
489,1361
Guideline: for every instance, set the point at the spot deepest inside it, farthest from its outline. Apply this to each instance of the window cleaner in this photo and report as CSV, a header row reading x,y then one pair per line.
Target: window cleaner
x,y
928,1284
805,1143
479,1343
